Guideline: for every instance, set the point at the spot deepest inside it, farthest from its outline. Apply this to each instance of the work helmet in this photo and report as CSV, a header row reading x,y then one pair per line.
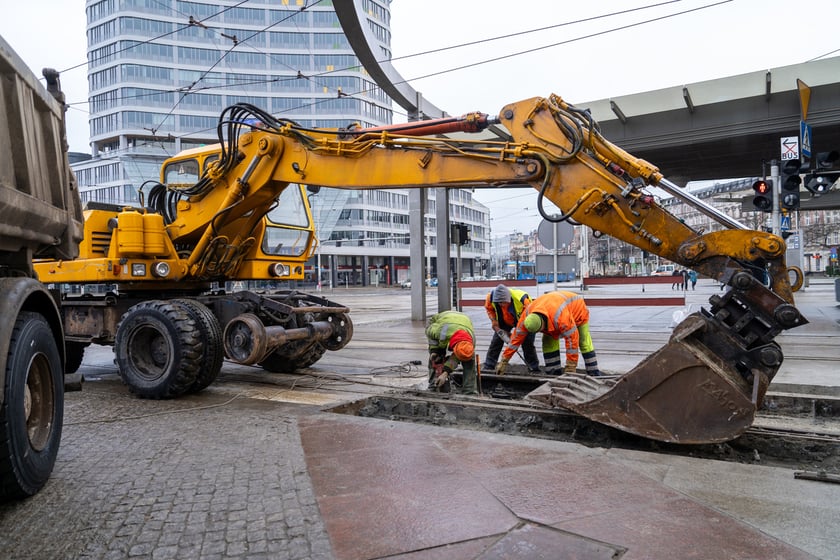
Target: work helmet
x,y
533,322
464,350
501,294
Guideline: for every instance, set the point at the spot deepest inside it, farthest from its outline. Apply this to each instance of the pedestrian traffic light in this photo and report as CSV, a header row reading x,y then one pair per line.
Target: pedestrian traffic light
x,y
791,180
763,199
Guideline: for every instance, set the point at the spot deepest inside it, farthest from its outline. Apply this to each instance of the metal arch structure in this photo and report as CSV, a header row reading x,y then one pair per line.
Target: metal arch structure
x,y
363,42
383,72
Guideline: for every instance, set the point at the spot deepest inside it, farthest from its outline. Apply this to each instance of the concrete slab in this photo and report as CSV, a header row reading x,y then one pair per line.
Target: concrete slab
x,y
407,491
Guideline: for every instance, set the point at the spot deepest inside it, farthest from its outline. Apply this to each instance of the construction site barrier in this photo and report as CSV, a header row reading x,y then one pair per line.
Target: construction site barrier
x,y
633,280
490,284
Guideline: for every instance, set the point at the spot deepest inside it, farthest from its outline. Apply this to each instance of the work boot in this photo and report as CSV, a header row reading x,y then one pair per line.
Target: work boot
x,y
591,362
534,369
470,383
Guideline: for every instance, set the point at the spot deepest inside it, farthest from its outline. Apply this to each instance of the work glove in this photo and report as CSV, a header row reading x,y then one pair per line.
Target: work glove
x,y
441,379
504,336
501,367
571,367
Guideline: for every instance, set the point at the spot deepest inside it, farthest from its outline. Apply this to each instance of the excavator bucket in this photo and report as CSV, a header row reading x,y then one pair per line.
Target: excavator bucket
x,y
681,394
704,385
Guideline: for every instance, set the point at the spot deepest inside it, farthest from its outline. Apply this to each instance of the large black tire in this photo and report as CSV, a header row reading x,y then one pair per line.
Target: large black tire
x,y
277,362
74,353
32,413
213,355
158,349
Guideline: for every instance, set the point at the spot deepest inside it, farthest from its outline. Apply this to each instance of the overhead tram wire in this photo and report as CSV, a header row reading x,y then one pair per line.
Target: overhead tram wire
x,y
462,67
528,51
313,77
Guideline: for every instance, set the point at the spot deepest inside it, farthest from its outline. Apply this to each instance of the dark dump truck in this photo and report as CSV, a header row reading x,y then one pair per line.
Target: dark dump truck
x,y
40,217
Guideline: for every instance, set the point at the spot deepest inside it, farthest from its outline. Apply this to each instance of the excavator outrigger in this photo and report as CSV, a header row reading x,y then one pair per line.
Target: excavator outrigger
x,y
219,222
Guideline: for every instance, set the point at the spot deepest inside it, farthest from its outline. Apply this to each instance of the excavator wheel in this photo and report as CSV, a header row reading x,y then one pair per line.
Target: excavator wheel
x,y
158,349
74,352
211,333
283,363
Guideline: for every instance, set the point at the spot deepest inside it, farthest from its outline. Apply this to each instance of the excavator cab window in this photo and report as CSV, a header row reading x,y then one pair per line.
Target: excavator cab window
x,y
182,173
288,228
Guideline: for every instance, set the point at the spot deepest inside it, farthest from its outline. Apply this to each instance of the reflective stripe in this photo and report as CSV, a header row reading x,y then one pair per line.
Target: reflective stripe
x,y
563,306
551,362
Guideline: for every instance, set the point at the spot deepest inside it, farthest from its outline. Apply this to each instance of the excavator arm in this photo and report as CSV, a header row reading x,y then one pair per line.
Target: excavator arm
x,y
707,382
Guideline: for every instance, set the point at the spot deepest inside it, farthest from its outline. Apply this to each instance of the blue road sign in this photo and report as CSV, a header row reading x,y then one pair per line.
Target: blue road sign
x,y
785,223
805,138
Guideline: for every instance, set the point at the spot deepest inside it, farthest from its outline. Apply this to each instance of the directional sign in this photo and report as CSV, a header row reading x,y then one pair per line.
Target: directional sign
x,y
790,148
805,134
785,223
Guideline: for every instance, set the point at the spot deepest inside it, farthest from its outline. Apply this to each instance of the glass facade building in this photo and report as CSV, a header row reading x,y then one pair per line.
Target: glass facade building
x,y
160,72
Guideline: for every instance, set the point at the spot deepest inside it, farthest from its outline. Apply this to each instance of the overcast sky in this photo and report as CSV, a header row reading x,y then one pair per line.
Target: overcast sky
x,y
605,57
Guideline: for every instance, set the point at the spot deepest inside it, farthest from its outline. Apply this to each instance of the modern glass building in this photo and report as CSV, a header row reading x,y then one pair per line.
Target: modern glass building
x,y
160,73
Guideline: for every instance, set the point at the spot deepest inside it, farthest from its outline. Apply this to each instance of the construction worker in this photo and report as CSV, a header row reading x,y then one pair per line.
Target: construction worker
x,y
556,314
451,331
504,306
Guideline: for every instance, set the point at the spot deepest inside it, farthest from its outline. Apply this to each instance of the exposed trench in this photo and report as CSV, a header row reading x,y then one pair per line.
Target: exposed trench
x,y
803,434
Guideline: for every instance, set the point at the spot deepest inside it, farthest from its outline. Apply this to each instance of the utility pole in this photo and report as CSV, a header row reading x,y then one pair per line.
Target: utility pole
x,y
776,181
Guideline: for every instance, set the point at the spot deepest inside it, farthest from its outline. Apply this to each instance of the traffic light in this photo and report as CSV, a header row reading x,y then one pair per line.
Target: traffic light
x,y
460,234
821,180
826,160
763,199
789,197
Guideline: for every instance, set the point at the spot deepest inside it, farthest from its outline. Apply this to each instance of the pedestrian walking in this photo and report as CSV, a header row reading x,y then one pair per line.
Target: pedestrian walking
x,y
677,279
692,276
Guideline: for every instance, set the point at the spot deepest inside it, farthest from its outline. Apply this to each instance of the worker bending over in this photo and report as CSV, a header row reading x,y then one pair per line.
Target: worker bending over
x,y
504,306
451,331
556,314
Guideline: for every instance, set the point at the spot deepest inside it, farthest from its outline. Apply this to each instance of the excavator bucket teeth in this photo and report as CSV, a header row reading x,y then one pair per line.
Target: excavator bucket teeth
x,y
683,393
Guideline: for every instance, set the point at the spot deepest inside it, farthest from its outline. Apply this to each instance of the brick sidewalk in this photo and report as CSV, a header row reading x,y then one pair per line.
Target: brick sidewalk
x,y
226,479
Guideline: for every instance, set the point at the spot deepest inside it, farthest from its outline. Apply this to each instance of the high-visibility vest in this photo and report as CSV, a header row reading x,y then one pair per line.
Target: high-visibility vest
x,y
563,312
443,325
506,315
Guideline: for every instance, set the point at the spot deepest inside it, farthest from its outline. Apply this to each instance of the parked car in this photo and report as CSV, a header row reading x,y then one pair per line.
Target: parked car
x,y
405,284
664,270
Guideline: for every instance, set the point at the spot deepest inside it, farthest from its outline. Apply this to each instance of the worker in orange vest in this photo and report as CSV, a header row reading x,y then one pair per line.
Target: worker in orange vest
x,y
556,314
504,306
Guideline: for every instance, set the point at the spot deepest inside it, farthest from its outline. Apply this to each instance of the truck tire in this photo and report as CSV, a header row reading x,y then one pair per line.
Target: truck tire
x,y
158,349
278,362
32,413
74,352
213,355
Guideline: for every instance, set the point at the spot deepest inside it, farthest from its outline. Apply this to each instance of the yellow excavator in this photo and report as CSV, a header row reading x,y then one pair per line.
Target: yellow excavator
x,y
238,211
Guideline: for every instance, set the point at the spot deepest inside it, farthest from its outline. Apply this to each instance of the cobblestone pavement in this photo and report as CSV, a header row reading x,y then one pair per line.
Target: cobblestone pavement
x,y
207,476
